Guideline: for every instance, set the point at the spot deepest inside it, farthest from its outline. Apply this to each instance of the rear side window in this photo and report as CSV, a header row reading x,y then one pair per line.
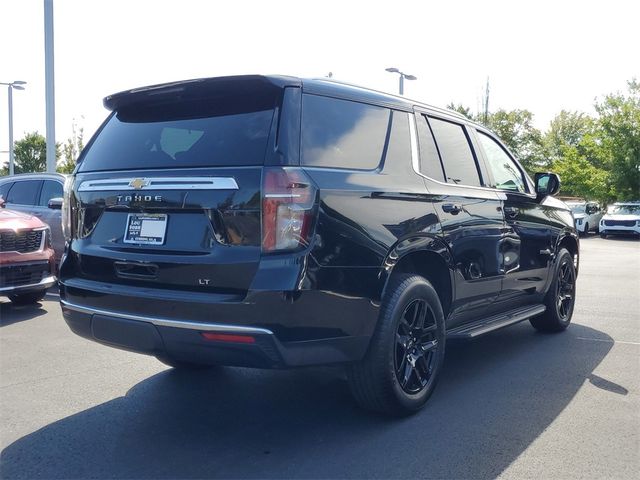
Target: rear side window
x,y
343,134
24,193
227,131
50,189
455,151
430,164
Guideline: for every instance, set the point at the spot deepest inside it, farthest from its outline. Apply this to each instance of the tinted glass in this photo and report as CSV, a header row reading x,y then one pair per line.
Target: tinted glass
x,y
224,132
50,189
506,174
24,193
398,149
4,189
457,158
343,134
430,164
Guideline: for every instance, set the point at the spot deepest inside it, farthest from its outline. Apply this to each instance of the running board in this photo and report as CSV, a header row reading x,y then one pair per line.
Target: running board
x,y
496,322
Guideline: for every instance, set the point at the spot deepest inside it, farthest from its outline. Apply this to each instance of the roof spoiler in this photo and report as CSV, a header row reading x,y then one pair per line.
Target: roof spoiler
x,y
198,88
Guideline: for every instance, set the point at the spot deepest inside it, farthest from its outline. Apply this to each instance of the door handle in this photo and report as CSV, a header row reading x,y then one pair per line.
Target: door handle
x,y
511,212
546,251
452,208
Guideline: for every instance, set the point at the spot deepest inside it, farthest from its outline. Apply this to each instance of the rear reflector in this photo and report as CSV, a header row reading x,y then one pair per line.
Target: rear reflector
x,y
224,337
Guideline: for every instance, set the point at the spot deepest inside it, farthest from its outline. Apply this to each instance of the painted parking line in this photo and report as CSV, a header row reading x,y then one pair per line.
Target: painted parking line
x,y
607,341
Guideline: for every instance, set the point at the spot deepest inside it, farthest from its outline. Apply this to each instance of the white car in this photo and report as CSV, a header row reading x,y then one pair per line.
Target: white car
x,y
622,218
586,215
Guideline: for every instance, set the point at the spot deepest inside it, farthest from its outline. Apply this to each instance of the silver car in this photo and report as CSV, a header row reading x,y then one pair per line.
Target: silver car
x,y
40,195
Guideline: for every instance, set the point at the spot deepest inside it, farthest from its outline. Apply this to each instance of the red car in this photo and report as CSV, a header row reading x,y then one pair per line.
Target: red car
x,y
27,262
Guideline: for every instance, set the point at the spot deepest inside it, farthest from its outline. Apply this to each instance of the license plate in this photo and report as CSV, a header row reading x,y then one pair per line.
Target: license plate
x,y
146,229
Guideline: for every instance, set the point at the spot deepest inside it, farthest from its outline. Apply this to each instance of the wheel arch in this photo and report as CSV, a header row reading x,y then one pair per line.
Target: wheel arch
x,y
427,257
571,242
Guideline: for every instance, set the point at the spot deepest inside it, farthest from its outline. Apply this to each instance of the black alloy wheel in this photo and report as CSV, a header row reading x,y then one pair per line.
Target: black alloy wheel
x,y
401,368
416,346
560,298
565,288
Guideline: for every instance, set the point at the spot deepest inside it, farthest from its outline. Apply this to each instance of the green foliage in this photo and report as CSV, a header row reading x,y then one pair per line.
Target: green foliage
x,y
580,178
71,149
596,158
462,110
619,119
30,154
516,130
567,129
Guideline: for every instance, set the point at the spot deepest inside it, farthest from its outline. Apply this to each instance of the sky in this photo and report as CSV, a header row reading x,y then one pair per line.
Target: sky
x,y
544,56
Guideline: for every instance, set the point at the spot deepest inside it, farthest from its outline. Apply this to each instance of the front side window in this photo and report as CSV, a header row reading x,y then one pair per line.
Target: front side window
x,y
506,174
454,148
50,189
343,134
24,193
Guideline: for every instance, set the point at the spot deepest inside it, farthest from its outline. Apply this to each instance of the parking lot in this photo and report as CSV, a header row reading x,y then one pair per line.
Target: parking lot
x,y
513,404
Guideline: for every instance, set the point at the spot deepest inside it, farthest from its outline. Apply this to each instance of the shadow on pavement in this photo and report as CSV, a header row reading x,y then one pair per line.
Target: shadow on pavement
x,y
10,313
496,396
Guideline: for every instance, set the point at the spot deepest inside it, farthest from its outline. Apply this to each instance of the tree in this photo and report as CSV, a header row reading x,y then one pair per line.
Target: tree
x,y
620,135
516,130
30,154
581,178
567,129
461,109
71,149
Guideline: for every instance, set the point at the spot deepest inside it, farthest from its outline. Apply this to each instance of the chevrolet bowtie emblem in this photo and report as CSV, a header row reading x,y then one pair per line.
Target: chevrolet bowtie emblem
x,y
138,183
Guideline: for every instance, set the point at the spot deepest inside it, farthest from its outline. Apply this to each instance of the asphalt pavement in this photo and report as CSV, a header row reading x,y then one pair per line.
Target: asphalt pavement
x,y
512,404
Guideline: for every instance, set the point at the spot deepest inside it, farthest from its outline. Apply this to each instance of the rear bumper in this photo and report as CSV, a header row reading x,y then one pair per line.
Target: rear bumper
x,y
286,330
184,341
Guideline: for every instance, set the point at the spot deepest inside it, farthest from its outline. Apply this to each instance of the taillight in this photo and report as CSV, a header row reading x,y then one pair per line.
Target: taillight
x,y
66,208
288,209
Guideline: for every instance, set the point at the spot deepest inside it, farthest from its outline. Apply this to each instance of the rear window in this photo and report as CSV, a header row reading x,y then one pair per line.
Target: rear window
x,y
205,133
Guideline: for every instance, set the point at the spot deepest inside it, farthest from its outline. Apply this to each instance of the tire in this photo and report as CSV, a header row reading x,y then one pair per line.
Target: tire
x,y
27,298
401,368
586,229
561,297
178,365
603,235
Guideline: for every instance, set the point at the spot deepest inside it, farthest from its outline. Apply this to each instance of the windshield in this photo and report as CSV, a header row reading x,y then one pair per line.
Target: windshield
x,y
577,208
624,209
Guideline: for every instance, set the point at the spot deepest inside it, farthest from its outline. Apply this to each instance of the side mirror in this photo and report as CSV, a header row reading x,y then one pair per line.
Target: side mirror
x,y
55,203
547,184
2,203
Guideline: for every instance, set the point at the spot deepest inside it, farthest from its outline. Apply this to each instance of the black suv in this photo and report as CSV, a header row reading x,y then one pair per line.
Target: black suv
x,y
269,221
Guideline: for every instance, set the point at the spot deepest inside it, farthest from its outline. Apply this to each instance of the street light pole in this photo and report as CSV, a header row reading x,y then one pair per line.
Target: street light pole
x,y
402,77
10,90
10,86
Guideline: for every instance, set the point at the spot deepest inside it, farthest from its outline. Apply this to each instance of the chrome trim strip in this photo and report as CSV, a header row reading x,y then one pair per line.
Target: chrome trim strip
x,y
415,158
45,282
159,183
165,322
502,194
